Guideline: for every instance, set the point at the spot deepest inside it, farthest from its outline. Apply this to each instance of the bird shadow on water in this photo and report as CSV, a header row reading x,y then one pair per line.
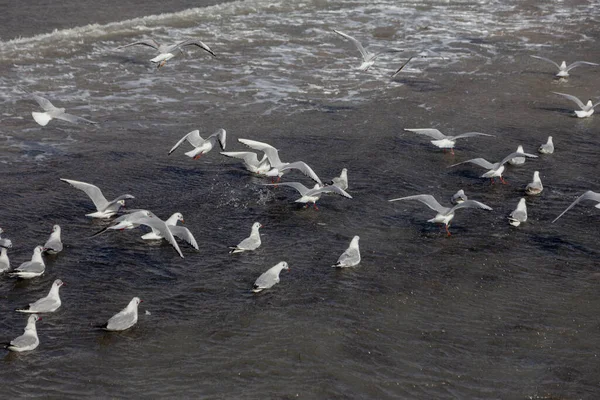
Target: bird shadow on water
x,y
420,85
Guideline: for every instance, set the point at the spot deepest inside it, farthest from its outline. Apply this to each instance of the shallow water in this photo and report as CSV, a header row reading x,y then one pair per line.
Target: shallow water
x,y
490,312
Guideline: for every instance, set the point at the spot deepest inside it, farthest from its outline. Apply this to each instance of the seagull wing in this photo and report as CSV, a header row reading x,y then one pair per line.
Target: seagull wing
x,y
359,46
193,138
516,154
432,133
304,168
270,151
249,157
92,191
572,98
589,195
221,135
482,162
329,189
159,225
296,185
470,204
426,199
546,59
184,233
578,63
73,118
122,320
44,103
468,134
401,67
147,42
196,42
23,341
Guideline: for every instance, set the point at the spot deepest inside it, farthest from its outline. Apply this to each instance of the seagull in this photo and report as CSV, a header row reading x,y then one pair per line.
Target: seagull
x,y
105,208
342,180
586,109
31,269
563,68
518,160
351,256
535,187
251,162
269,278
51,112
4,261
277,166
589,195
166,52
181,232
367,56
548,147
401,67
495,170
5,242
311,195
148,218
201,146
459,197
442,141
444,214
46,304
124,319
54,244
29,339
252,242
519,215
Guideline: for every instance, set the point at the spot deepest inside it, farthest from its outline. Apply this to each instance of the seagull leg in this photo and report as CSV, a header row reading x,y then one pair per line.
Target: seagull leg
x,y
162,63
452,151
448,231
198,156
491,181
315,206
503,181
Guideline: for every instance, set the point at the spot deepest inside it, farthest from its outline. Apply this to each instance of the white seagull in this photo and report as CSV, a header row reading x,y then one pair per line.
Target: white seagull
x,y
252,242
277,166
5,242
442,141
4,261
31,269
46,304
54,245
535,187
496,169
444,214
311,195
563,68
251,161
548,147
104,208
51,112
518,160
148,218
124,319
269,278
586,109
29,339
589,195
342,180
351,256
367,57
166,52
202,146
459,197
519,215
181,232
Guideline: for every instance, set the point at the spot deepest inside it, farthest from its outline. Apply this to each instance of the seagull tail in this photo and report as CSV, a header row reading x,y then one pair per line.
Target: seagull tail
x,y
100,231
235,250
24,309
41,118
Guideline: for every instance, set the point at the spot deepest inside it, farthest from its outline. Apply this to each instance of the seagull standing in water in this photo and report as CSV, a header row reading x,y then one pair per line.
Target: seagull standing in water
x,y
167,52
442,141
589,195
124,319
202,146
350,257
29,339
5,242
548,147
368,58
563,68
535,187
444,214
459,197
269,278
518,160
54,245
586,110
4,261
519,215
31,269
51,112
46,304
496,169
342,180
104,208
252,242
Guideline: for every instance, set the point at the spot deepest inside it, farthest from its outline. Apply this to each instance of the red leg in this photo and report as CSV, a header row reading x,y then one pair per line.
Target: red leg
x,y
315,206
491,181
452,151
448,231
198,156
502,180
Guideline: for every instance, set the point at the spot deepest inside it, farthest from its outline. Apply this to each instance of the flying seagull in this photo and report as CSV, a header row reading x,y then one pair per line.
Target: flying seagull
x,y
104,208
51,112
589,195
168,51
202,146
367,57
586,109
496,169
442,141
563,68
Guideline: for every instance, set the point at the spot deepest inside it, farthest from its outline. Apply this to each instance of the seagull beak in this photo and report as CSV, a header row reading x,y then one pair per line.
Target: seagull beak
x,y
262,226
182,221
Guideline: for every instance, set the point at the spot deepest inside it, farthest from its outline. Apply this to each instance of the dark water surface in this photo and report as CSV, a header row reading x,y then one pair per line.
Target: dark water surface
x,y
492,312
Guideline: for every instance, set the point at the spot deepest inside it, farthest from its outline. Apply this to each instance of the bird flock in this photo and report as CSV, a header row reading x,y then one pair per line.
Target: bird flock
x,y
269,165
